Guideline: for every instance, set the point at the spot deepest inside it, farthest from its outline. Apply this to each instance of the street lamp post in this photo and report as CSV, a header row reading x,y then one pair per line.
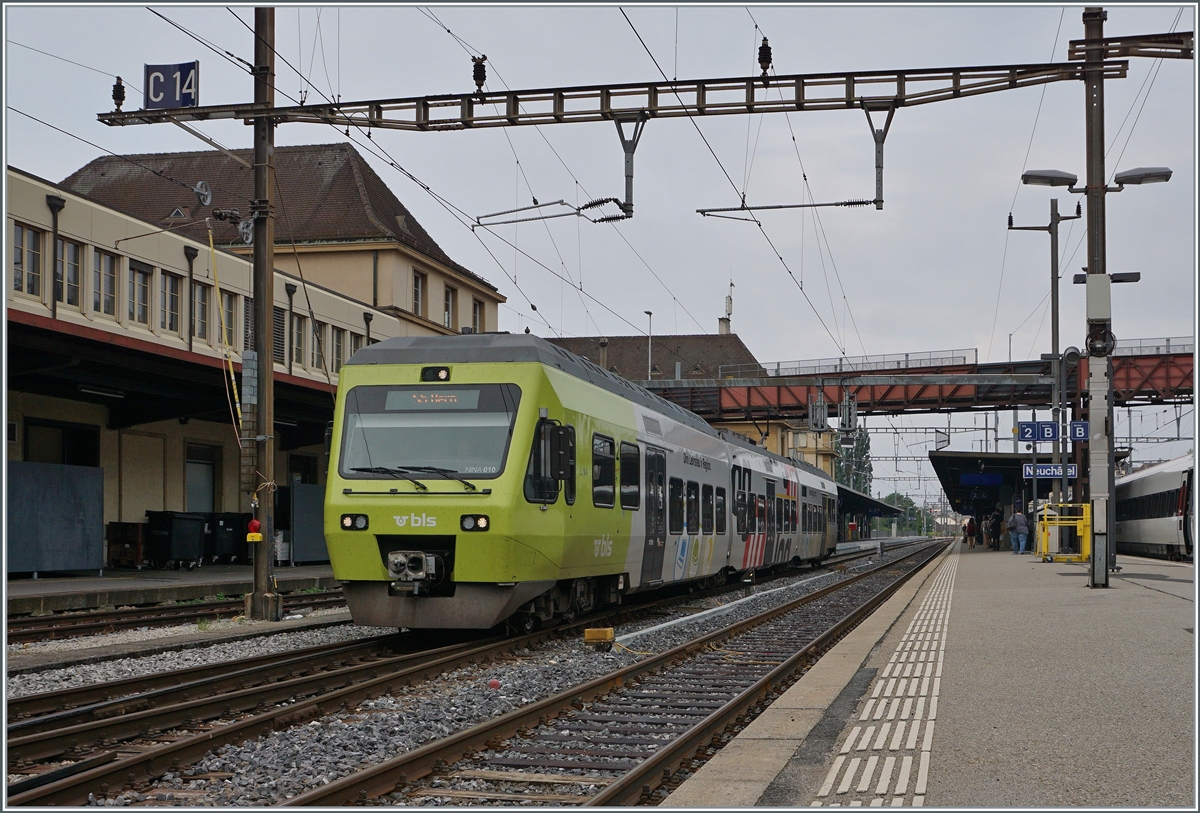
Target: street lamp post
x,y
1056,360
1100,338
649,343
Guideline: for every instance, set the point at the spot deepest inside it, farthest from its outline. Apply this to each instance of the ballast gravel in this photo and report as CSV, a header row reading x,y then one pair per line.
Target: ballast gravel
x,y
121,668
283,764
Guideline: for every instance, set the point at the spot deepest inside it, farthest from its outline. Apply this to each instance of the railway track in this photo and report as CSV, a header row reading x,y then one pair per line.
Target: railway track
x,y
76,625
623,735
125,741
122,739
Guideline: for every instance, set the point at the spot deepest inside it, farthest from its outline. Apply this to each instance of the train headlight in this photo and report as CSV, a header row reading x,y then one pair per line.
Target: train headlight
x,y
354,522
435,373
474,522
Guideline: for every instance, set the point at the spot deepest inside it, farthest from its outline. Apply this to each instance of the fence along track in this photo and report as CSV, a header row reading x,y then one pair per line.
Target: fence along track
x,y
645,773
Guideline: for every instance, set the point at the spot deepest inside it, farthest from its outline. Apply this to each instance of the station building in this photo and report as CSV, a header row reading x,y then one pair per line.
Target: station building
x,y
120,399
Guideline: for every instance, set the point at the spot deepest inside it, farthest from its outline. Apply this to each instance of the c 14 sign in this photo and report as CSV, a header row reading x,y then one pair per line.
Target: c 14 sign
x,y
168,86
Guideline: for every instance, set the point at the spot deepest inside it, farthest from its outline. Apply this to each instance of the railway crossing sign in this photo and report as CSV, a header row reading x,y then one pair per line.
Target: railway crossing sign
x,y
1079,431
1048,471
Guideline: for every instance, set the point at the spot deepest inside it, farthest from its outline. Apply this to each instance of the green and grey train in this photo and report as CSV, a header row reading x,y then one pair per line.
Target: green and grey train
x,y
485,478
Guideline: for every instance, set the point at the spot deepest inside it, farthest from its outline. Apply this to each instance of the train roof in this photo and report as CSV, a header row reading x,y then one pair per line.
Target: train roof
x,y
1178,464
508,347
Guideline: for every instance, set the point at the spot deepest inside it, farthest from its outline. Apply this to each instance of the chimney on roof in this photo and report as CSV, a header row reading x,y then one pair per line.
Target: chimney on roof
x,y
723,326
604,354
723,322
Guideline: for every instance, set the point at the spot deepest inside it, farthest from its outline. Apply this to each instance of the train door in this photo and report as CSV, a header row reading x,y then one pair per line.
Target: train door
x,y
656,514
1187,496
772,525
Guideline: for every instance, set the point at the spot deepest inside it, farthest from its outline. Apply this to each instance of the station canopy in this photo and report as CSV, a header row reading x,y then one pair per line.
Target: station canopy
x,y
851,501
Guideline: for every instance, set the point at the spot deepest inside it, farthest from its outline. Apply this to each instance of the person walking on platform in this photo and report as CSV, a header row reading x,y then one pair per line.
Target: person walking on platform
x,y
995,523
1018,529
969,533
979,532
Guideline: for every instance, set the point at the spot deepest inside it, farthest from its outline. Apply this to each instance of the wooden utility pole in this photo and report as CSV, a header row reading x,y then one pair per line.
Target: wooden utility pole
x,y
264,604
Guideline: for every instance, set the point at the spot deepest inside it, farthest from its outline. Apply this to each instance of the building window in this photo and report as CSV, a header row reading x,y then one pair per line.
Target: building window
x,y
449,309
67,276
104,283
27,260
355,343
418,293
200,310
476,316
339,348
228,302
279,335
318,357
139,292
298,324
172,291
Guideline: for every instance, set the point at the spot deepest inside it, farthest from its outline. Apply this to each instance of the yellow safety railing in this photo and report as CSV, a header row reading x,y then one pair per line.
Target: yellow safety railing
x,y
1059,516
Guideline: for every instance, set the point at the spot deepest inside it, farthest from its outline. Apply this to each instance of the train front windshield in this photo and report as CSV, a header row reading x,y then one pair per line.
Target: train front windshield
x,y
461,428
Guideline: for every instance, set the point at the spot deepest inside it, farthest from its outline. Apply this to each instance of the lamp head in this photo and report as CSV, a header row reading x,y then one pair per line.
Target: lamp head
x,y
1141,175
1048,177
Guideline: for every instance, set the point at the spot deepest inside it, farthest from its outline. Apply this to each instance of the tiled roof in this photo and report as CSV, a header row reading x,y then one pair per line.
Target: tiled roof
x,y
699,356
325,193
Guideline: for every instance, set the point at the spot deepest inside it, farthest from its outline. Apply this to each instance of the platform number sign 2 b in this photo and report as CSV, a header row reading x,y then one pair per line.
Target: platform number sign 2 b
x,y
169,86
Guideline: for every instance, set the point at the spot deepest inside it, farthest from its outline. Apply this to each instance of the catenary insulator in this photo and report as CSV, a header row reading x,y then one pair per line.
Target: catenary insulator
x,y
479,73
1010,223
1078,209
118,93
764,56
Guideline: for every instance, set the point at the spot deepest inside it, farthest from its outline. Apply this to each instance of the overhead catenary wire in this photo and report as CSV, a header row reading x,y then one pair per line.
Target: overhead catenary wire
x,y
725,172
471,51
110,75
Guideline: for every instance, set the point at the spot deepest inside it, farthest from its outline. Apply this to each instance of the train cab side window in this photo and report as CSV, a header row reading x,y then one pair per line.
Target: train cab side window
x,y
721,522
706,509
631,476
540,487
569,485
693,507
604,471
675,502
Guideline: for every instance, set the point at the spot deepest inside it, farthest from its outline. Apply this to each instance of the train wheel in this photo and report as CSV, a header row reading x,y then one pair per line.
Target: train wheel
x,y
523,625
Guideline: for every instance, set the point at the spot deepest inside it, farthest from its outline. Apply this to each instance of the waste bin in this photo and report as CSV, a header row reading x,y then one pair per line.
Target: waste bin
x,y
175,537
229,536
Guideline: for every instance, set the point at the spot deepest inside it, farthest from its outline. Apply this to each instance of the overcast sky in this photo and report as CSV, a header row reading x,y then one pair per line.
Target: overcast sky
x,y
936,269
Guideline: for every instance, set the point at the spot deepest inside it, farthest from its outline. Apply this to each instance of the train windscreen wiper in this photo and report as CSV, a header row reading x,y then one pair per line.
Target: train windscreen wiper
x,y
449,474
399,472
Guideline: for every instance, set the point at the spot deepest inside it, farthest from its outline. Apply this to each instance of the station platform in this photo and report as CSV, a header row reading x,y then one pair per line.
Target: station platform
x,y
120,588
988,680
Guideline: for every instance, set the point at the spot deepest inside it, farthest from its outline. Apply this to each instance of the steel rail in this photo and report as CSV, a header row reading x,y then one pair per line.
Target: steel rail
x,y
47,710
43,628
387,776
643,779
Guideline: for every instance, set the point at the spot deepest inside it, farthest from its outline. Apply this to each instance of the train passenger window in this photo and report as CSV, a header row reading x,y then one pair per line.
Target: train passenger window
x,y
779,520
706,509
604,471
540,487
569,485
751,513
739,511
675,502
693,507
795,516
762,514
631,476
721,524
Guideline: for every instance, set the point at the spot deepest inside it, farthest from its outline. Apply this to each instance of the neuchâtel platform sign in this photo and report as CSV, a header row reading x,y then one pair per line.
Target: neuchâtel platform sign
x,y
1048,471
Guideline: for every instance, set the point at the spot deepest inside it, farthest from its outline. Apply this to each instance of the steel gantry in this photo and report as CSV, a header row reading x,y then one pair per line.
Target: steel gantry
x,y
633,102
